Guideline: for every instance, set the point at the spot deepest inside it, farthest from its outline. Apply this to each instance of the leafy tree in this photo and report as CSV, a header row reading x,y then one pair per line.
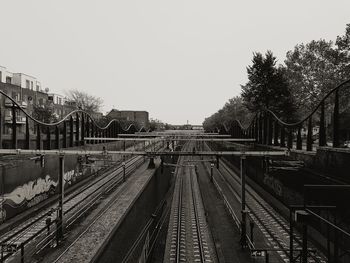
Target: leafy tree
x,y
44,113
312,71
267,87
156,125
85,101
342,44
232,110
316,67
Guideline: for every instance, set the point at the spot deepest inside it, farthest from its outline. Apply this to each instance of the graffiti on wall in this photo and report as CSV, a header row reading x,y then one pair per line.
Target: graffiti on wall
x,y
32,193
28,192
274,184
70,177
2,211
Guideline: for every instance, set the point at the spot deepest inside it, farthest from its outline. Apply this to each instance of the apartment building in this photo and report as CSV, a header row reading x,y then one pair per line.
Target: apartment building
x,y
26,90
141,117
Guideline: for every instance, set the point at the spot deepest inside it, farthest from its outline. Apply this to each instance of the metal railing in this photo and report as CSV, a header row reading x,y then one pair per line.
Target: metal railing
x,y
267,128
68,132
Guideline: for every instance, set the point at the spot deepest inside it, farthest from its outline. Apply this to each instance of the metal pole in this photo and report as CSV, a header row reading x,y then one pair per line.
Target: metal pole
x,y
291,235
61,197
243,202
14,127
251,231
211,172
335,244
328,241
22,253
304,253
124,172
151,164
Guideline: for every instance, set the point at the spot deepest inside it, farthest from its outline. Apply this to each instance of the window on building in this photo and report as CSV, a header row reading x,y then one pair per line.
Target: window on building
x,y
31,85
15,95
0,76
37,88
41,102
8,80
27,84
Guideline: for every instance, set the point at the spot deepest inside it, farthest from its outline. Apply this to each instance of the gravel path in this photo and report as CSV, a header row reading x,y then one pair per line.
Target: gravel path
x,y
92,241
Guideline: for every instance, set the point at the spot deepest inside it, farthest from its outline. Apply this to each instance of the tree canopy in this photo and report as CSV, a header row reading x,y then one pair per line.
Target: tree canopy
x,y
44,113
232,110
314,68
310,70
267,86
85,101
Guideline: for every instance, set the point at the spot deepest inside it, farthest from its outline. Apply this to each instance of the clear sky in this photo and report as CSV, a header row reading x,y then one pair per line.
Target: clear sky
x,y
179,60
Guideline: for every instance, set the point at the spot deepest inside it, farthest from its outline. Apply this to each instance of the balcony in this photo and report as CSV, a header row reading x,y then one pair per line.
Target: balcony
x,y
23,104
19,119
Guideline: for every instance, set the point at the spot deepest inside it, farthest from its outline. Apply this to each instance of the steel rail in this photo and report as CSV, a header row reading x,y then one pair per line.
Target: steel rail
x,y
95,196
98,216
179,222
111,183
227,204
69,198
196,215
257,217
259,202
17,235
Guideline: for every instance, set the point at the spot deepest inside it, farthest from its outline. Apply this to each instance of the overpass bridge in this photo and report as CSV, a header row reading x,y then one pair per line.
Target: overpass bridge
x,y
79,191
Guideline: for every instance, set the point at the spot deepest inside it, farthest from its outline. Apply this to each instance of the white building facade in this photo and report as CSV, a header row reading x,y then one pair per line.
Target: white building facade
x,y
20,79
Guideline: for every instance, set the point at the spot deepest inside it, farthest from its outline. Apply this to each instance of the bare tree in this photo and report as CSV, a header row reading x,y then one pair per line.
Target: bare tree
x,y
85,101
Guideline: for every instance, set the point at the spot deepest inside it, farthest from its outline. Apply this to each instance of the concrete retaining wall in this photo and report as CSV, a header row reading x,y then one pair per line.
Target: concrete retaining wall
x,y
26,182
132,225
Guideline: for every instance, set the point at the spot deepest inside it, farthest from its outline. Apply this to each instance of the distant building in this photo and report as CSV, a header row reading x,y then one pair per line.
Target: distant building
x,y
61,105
187,127
26,98
5,76
26,81
141,117
27,91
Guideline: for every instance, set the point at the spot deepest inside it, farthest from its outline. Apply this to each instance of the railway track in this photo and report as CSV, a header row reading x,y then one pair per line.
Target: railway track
x,y
75,205
273,226
189,238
